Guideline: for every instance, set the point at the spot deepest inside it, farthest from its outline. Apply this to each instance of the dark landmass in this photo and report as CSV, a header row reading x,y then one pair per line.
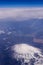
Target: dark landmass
x,y
13,32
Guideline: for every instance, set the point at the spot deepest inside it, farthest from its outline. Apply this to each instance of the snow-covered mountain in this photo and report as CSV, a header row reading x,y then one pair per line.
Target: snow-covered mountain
x,y
27,54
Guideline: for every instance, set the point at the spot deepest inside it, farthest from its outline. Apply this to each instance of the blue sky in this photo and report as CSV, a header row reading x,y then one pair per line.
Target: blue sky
x,y
18,3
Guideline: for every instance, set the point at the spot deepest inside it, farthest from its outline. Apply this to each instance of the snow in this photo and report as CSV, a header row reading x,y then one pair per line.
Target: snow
x,y
25,48
27,52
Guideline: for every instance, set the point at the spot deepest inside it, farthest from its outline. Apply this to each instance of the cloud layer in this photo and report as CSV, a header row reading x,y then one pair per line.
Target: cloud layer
x,y
21,13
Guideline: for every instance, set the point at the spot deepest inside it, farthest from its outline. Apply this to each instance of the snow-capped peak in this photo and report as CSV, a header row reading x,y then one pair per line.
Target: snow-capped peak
x,y
27,52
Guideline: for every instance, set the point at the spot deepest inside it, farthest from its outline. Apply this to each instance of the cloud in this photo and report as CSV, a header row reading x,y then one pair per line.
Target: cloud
x,y
9,33
21,13
2,31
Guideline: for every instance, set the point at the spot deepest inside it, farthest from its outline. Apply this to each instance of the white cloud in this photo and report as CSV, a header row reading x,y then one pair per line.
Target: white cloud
x,y
2,31
9,33
21,13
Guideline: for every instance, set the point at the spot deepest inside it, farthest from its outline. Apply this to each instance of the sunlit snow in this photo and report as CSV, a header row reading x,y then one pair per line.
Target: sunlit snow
x,y
27,52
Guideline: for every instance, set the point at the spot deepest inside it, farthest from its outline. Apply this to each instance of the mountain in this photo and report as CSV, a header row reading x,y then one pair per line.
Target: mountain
x,y
26,54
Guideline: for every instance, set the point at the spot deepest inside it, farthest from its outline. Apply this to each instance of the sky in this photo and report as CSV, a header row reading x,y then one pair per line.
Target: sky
x,y
16,3
21,9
